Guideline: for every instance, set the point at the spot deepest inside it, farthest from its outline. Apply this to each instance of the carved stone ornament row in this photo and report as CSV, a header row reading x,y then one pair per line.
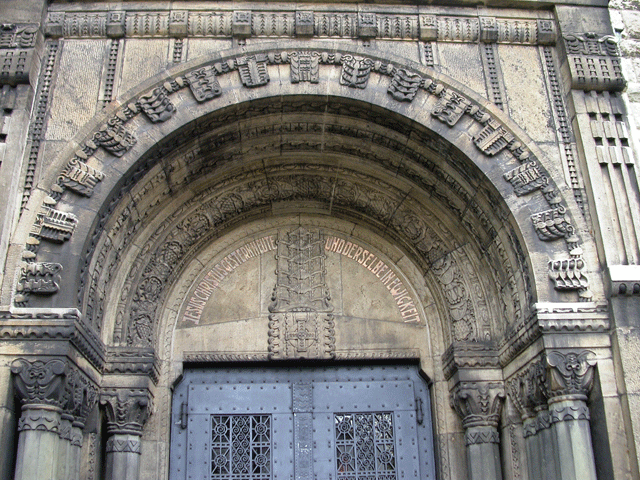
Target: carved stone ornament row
x,y
17,53
301,23
49,387
113,137
536,390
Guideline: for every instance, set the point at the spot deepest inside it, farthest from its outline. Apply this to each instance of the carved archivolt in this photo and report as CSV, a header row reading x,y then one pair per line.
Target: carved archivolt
x,y
115,137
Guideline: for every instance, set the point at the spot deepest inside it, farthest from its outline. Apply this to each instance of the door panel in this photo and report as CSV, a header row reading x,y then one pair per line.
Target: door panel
x,y
342,423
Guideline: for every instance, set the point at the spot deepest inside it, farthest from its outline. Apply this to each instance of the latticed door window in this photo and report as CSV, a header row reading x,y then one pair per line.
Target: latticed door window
x,y
365,446
241,447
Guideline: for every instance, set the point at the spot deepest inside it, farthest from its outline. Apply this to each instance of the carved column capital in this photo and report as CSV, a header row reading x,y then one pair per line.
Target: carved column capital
x,y
82,396
127,410
527,389
570,374
40,382
478,403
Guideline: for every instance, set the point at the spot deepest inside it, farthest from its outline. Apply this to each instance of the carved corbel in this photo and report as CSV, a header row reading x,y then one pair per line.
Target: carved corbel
x,y
127,410
40,382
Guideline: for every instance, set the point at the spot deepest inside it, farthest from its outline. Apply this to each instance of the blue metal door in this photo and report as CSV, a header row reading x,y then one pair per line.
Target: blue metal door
x,y
330,423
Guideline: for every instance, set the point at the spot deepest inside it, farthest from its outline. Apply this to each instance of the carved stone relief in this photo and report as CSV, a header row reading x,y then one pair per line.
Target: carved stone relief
x,y
594,62
247,23
300,322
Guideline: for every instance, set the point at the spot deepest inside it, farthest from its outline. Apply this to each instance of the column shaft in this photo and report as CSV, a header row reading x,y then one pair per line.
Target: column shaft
x,y
123,456
38,443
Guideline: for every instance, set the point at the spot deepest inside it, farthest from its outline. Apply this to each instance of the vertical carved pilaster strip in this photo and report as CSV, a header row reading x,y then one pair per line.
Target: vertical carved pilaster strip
x,y
495,88
178,47
429,60
563,130
37,122
110,75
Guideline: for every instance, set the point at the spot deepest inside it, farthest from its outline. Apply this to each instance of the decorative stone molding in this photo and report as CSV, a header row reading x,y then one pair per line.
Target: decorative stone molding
x,y
123,445
41,382
570,374
625,280
127,410
228,23
469,355
17,54
478,403
594,62
40,419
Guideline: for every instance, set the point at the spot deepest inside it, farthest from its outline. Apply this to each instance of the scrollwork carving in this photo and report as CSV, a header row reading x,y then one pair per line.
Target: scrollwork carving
x,y
570,373
127,410
478,403
40,382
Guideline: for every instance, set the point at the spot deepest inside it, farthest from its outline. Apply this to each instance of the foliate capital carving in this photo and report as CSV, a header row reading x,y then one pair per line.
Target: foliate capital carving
x,y
527,390
127,410
570,374
40,382
82,396
478,403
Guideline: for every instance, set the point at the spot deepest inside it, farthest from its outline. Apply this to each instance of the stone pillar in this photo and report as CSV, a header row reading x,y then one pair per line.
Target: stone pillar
x,y
127,411
527,391
569,379
41,387
479,404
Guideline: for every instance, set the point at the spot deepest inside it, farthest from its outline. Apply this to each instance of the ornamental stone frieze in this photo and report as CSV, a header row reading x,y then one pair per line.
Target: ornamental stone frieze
x,y
384,24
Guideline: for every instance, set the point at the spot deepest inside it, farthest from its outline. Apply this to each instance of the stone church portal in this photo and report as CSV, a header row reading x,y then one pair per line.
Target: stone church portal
x,y
337,241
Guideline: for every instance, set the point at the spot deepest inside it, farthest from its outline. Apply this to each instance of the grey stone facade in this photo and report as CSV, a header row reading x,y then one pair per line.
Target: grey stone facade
x,y
197,185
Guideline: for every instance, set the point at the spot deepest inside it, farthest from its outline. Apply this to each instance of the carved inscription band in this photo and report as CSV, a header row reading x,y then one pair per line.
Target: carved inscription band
x,y
220,271
381,270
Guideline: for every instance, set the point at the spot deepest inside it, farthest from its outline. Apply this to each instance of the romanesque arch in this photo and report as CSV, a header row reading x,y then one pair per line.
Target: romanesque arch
x,y
334,138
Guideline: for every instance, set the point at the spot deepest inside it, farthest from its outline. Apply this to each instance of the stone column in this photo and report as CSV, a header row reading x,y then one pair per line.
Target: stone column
x,y
569,379
127,411
527,390
41,387
479,404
